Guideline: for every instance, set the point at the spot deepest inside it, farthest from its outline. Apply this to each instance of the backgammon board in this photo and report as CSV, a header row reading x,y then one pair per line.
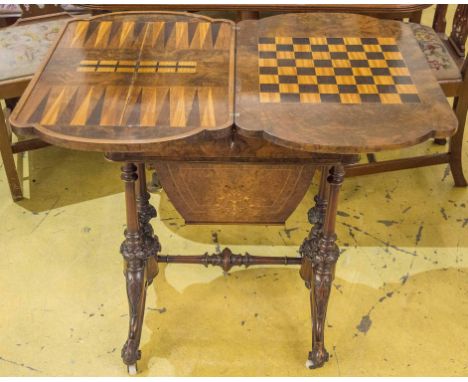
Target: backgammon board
x,y
165,78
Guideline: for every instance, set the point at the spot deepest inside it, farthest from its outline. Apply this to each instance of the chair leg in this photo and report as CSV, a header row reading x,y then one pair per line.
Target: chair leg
x,y
415,17
8,160
440,141
460,106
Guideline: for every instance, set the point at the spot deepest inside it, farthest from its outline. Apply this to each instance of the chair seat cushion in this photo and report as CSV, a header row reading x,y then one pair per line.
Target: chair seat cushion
x,y
437,55
23,47
10,10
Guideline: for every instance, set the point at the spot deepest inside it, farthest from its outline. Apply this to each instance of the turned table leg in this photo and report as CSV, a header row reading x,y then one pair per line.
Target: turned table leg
x,y
146,212
139,245
320,254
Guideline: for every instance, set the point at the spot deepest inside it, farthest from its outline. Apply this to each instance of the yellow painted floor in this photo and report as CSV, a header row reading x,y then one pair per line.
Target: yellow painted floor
x,y
399,305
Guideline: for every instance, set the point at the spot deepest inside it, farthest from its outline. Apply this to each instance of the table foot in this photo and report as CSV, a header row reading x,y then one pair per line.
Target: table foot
x,y
317,358
130,353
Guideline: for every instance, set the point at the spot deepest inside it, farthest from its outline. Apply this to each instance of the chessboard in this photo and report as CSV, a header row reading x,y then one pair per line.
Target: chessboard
x,y
349,70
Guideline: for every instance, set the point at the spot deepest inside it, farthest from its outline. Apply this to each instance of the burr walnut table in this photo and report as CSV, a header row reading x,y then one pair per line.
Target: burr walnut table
x,y
298,91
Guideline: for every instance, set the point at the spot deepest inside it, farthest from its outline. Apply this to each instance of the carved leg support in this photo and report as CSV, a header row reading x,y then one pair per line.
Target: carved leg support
x,y
316,216
155,184
322,252
136,250
146,212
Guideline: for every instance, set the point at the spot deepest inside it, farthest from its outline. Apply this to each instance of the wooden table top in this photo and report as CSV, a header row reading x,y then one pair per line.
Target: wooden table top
x,y
337,83
331,83
126,81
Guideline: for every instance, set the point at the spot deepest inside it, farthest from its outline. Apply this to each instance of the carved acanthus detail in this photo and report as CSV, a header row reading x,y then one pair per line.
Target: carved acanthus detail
x,y
317,212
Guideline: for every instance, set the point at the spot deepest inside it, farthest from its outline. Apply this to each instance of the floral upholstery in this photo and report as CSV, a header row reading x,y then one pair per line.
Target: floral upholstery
x,y
10,9
437,55
23,47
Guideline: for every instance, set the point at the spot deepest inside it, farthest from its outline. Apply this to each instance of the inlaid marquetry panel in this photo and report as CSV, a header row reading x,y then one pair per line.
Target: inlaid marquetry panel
x,y
139,66
235,192
141,77
350,70
137,106
336,83
157,33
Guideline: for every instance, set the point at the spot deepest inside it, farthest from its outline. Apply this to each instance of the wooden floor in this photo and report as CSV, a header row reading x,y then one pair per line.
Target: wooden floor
x,y
399,305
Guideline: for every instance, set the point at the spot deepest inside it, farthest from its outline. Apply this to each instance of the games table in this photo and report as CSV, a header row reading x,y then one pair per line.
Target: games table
x,y
289,93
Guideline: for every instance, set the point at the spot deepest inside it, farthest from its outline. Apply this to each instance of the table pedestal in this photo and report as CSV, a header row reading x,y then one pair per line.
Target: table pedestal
x,y
141,247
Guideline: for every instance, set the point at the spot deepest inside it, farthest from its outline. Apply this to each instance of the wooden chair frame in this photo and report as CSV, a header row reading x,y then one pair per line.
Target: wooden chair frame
x,y
457,89
9,90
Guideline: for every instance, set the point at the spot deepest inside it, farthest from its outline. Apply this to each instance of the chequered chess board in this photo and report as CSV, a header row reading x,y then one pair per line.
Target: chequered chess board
x,y
348,70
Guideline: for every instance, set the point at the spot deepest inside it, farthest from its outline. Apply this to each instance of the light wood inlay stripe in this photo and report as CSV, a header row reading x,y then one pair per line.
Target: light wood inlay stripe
x,y
81,115
207,115
103,34
130,66
80,33
127,28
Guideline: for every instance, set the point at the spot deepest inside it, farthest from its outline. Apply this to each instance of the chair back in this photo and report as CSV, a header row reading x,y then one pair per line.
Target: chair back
x,y
459,33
